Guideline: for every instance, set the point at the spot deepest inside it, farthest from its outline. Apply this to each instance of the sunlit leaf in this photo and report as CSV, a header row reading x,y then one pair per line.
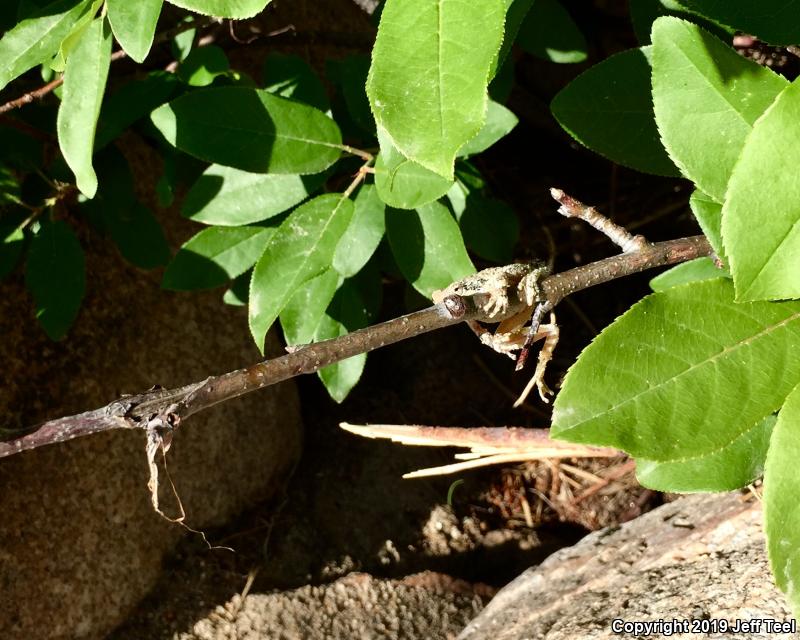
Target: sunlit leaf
x,y
239,9
708,213
427,246
250,129
781,508
301,248
430,69
490,227
706,98
214,256
84,84
693,271
134,24
761,229
203,65
35,39
302,315
363,235
682,373
499,122
231,197
731,467
354,306
403,183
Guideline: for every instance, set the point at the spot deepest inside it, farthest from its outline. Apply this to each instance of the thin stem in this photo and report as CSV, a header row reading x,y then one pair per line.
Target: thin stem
x,y
572,208
364,155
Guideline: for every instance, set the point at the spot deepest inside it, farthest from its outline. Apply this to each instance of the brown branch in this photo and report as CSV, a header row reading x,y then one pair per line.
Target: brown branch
x,y
161,409
489,445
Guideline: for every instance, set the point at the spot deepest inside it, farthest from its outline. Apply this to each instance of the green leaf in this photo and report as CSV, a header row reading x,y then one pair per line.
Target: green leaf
x,y
238,293
203,65
215,256
12,240
427,246
55,275
503,82
761,214
292,77
430,69
303,313
645,12
609,109
363,235
350,75
682,373
230,197
403,183
781,508
549,32
138,236
250,129
516,10
238,9
347,312
59,61
131,103
116,211
772,20
134,25
695,270
9,187
302,247
731,467
35,39
706,98
84,84
499,122
490,227
708,213
183,42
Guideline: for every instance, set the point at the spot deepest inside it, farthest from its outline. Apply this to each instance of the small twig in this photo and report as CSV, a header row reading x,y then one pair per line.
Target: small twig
x,y
572,208
364,155
29,97
358,178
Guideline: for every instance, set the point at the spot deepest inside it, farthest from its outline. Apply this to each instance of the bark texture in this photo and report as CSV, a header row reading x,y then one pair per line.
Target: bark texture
x,y
700,557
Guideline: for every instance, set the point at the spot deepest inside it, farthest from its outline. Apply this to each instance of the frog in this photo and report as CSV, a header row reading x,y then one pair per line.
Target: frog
x,y
489,290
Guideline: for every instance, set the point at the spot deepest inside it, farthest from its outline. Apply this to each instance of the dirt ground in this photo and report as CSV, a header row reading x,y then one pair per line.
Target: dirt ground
x,y
347,510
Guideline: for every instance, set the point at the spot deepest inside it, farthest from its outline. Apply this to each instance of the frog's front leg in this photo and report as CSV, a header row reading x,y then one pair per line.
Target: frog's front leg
x,y
528,288
509,335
